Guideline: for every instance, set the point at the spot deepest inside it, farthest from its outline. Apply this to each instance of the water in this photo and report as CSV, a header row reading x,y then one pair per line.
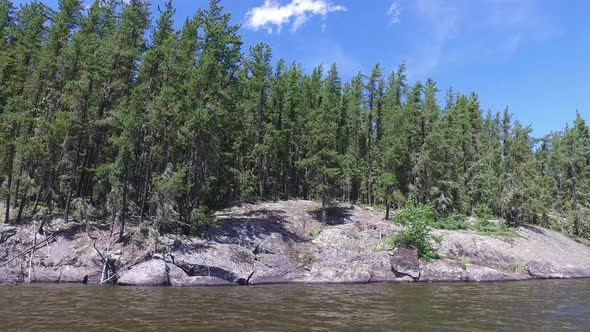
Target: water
x,y
532,305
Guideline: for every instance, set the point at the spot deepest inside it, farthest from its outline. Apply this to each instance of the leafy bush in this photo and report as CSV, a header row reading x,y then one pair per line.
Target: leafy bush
x,y
483,211
308,257
416,230
450,223
488,227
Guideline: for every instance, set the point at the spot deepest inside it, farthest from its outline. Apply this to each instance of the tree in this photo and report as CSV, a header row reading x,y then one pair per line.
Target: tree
x,y
323,161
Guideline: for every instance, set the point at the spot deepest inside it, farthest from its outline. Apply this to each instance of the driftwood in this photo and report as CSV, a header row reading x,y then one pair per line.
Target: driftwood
x,y
140,259
31,257
36,246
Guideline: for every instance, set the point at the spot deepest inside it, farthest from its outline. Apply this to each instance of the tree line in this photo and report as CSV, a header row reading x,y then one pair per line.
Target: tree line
x,y
107,108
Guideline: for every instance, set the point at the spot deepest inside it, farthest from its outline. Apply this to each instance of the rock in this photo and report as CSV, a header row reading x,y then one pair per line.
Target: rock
x,y
77,274
405,262
199,282
43,274
6,233
179,278
443,270
483,273
350,276
543,270
150,273
286,242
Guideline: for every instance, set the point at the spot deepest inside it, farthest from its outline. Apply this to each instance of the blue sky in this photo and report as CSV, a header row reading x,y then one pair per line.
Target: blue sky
x,y
529,55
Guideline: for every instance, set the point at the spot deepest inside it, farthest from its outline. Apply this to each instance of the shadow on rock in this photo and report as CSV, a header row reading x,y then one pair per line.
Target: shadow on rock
x,y
248,228
335,215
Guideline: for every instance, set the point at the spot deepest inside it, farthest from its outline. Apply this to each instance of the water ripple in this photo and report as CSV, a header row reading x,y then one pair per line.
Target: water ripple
x,y
537,305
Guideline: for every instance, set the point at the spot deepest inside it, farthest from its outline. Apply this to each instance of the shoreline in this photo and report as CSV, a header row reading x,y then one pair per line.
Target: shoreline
x,y
283,243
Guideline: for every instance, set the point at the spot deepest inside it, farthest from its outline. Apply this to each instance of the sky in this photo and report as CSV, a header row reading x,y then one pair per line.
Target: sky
x,y
529,55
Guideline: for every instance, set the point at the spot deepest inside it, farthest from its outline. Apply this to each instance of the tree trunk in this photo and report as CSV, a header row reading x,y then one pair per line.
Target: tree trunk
x,y
124,207
146,190
68,203
36,204
8,186
324,212
387,210
23,202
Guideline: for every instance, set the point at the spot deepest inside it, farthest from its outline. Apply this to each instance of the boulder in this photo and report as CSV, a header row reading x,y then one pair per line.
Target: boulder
x,y
543,270
443,270
483,273
149,273
405,262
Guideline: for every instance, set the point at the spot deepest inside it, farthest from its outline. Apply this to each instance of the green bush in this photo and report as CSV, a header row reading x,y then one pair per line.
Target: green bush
x,y
416,230
483,211
488,227
312,232
450,223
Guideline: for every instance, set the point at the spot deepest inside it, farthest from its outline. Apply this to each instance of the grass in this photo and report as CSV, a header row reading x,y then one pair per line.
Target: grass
x,y
312,233
487,227
464,262
308,257
516,265
450,223
482,226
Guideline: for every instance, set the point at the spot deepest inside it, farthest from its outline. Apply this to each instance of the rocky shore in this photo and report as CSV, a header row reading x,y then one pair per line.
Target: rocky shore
x,y
280,242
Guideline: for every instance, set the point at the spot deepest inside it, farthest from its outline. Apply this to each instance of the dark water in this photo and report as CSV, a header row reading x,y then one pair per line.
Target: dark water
x,y
536,305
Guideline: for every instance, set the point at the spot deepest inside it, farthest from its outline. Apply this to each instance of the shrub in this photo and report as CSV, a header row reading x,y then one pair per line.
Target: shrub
x,y
450,223
492,228
464,262
312,232
308,257
516,265
483,211
416,230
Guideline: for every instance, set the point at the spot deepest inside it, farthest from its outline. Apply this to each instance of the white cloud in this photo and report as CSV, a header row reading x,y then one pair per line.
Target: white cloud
x,y
394,12
273,14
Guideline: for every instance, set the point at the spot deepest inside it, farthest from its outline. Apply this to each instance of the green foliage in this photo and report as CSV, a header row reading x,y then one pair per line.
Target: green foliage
x,y
488,227
450,223
516,265
483,211
464,262
312,233
416,230
308,258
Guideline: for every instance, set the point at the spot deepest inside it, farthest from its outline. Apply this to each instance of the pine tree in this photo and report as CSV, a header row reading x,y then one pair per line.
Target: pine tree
x,y
323,161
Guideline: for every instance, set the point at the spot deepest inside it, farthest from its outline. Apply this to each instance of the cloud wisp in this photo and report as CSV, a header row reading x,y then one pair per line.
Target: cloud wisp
x,y
394,12
272,15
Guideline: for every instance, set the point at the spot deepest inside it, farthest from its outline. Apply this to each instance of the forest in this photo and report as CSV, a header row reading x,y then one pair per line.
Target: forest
x,y
110,110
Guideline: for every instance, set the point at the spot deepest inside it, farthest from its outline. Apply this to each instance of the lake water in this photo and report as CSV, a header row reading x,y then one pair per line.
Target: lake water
x,y
532,305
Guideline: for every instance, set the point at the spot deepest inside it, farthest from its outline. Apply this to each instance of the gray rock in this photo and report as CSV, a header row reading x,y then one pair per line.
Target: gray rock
x,y
443,270
543,270
6,232
484,273
405,262
286,242
150,273
179,278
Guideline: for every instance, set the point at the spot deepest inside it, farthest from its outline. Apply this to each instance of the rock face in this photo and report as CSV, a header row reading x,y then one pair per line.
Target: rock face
x,y
405,262
284,242
150,273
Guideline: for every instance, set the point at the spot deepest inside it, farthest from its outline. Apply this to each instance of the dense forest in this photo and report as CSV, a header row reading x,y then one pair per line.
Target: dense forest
x,y
110,110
